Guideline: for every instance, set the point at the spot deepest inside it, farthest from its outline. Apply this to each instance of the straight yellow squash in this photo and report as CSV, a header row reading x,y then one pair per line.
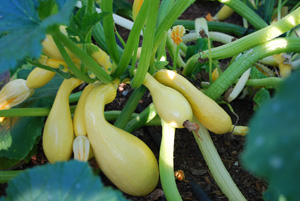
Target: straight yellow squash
x,y
206,110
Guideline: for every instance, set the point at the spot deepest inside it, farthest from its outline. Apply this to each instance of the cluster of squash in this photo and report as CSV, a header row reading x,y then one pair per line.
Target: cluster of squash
x,y
125,159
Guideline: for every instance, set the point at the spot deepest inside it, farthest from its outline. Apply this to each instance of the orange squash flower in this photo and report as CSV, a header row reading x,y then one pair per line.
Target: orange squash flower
x,y
177,33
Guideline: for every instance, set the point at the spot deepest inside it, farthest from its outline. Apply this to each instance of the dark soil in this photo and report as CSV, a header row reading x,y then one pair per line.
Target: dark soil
x,y
187,156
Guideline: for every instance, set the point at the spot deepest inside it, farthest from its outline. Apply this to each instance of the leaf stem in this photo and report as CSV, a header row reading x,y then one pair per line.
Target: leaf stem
x,y
132,40
215,164
5,176
108,25
166,163
147,45
245,61
85,58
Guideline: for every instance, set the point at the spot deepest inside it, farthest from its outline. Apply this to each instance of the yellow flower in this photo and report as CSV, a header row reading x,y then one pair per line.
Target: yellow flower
x,y
81,148
137,4
177,33
14,93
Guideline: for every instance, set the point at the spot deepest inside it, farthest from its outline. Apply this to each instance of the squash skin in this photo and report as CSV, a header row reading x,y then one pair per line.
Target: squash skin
x,y
58,131
124,159
78,118
206,110
39,77
170,105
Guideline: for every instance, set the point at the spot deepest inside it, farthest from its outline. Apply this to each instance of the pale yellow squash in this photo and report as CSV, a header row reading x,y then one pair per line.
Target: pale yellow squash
x,y
206,110
58,131
170,105
124,159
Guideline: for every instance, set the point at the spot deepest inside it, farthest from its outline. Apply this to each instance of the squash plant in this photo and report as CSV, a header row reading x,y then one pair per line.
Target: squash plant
x,y
67,43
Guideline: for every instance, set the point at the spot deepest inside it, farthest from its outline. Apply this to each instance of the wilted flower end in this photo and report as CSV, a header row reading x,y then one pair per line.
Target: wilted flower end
x,y
14,93
81,148
177,33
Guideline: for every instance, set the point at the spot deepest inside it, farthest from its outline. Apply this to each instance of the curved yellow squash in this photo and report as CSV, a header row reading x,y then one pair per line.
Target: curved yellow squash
x,y
58,131
124,159
206,110
170,105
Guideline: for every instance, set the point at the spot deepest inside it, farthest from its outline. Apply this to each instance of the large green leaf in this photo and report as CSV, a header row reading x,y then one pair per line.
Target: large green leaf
x,y
24,30
272,148
68,181
18,134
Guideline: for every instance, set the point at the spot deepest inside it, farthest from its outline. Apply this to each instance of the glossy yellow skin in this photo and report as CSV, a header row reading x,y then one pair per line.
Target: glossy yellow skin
x,y
224,13
137,4
100,57
124,159
170,105
206,110
58,131
39,77
78,118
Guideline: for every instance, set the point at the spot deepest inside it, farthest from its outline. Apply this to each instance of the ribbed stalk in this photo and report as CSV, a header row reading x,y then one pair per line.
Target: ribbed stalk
x,y
166,163
246,12
132,40
83,57
251,40
147,45
130,106
238,67
215,164
108,25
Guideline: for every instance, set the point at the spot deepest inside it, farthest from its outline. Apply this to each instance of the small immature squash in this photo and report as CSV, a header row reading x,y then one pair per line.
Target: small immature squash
x,y
125,159
58,131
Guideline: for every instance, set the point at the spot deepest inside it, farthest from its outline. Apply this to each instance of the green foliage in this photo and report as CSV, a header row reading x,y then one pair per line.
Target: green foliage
x,y
256,74
19,134
261,97
201,45
24,30
68,181
81,23
272,145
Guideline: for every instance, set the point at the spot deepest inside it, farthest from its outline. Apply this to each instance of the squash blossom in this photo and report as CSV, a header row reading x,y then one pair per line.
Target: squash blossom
x,y
177,33
137,4
14,93
81,148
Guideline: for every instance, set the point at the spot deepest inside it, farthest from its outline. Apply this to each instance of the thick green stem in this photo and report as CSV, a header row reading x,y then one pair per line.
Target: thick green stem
x,y
108,25
166,163
246,12
24,112
78,73
251,40
130,106
268,82
215,164
132,40
146,116
217,26
147,45
238,67
83,57
5,176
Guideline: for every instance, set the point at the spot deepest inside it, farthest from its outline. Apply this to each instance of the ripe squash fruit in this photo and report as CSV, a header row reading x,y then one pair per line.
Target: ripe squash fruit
x,y
206,110
125,159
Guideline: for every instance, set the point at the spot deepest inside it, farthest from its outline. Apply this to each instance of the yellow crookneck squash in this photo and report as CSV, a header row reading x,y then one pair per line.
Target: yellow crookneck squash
x,y
58,131
206,110
125,159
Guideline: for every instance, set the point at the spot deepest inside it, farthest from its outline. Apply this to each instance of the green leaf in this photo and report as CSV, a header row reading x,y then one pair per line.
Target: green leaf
x,y
25,30
256,74
201,45
261,97
68,181
81,23
18,134
272,145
